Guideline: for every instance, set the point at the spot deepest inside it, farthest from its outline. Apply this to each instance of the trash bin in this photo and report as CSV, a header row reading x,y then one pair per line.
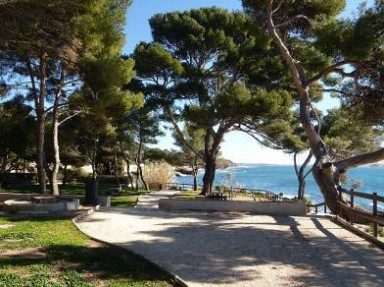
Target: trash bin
x,y
91,192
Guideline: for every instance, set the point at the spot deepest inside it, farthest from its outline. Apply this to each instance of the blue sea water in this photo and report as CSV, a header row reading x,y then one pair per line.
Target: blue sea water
x,y
282,179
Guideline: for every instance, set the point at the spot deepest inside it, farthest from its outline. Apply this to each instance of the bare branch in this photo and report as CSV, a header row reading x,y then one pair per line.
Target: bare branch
x,y
287,22
75,113
277,8
333,69
180,133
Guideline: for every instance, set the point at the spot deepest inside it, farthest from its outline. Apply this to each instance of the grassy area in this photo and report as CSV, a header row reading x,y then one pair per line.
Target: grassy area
x,y
48,252
256,196
123,201
369,230
72,189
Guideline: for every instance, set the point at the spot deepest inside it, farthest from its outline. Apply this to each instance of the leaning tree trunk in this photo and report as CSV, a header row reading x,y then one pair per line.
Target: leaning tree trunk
x,y
323,168
129,175
301,175
139,168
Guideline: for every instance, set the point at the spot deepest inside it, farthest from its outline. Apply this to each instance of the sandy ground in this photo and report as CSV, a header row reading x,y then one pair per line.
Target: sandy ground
x,y
233,249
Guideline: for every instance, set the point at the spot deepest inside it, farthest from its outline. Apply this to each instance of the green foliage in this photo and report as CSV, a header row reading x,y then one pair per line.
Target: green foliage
x,y
223,57
346,134
315,12
154,61
16,134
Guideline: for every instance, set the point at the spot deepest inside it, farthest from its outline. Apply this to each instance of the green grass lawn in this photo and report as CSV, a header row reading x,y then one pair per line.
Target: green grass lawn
x,y
123,201
49,252
128,198
72,189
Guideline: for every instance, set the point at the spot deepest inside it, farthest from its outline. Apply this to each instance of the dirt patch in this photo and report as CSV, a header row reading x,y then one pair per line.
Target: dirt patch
x,y
28,253
6,226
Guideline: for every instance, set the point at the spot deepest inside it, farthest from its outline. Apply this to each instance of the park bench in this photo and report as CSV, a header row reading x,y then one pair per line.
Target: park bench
x,y
217,196
115,190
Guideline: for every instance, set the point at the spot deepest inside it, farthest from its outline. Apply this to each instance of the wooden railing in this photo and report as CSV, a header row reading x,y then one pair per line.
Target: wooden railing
x,y
375,217
232,190
317,206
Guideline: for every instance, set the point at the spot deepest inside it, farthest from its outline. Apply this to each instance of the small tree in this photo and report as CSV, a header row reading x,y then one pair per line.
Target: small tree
x,y
192,147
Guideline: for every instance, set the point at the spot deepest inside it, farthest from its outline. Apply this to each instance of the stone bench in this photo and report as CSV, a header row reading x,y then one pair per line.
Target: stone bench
x,y
217,196
44,199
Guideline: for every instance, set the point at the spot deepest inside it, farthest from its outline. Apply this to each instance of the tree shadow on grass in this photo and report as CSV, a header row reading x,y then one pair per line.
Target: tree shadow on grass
x,y
97,262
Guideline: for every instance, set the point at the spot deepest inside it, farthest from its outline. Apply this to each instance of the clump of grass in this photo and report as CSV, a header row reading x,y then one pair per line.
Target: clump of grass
x,y
380,230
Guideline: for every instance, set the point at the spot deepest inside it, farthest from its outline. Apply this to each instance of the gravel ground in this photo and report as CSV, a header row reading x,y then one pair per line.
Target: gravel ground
x,y
233,249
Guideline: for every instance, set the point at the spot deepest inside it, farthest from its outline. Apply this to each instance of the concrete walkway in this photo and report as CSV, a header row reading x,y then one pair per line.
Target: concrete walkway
x,y
231,249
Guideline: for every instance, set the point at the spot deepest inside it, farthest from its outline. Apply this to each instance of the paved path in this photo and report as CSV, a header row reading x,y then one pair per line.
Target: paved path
x,y
232,249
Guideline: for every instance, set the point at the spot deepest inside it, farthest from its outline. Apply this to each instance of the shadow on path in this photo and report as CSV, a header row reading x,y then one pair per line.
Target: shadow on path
x,y
232,249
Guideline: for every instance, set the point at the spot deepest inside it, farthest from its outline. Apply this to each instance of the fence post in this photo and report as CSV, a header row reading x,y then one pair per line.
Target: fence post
x,y
351,214
375,214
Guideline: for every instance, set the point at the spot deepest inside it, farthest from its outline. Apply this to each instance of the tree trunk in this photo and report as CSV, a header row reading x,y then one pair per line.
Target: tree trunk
x,y
93,158
39,100
195,171
142,178
56,148
65,175
323,169
116,165
195,183
210,155
209,175
301,175
40,110
48,172
129,176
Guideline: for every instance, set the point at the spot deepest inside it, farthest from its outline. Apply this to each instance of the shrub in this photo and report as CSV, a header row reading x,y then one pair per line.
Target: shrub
x,y
158,173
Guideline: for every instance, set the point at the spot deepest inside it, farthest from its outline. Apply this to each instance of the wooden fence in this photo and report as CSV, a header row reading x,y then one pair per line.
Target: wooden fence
x,y
353,211
375,217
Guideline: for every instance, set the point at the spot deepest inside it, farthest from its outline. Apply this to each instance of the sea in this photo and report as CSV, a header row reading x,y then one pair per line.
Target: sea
x,y
282,179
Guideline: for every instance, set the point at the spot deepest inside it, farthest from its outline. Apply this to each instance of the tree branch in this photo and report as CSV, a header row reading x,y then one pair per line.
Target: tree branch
x,y
285,23
360,159
332,69
180,133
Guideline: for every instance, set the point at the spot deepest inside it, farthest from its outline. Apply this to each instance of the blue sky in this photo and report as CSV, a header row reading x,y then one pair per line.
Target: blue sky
x,y
238,147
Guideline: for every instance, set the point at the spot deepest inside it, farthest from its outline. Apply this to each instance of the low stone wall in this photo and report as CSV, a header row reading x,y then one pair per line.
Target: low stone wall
x,y
262,207
16,205
104,200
